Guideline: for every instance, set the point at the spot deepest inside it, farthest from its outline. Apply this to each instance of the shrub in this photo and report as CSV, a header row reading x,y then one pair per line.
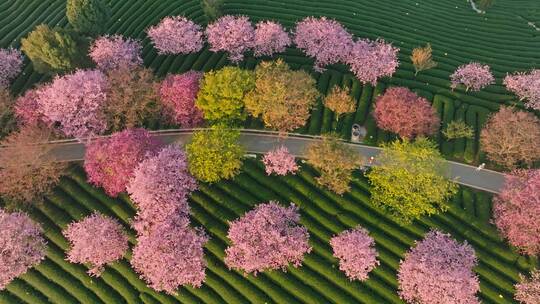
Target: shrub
x,y
525,86
88,16
335,160
458,129
371,60
26,171
528,289
111,52
356,252
8,122
22,243
53,50
221,97
74,103
340,101
511,137
279,161
111,162
422,188
282,97
96,240
27,109
403,112
176,35
132,98
439,270
232,34
270,38
178,94
170,256
325,40
214,154
473,76
421,59
517,208
212,8
265,238
160,187
11,61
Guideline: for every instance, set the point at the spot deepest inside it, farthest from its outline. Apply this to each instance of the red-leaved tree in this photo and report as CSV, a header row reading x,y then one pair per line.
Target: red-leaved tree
x,y
27,109
176,35
325,40
178,94
170,256
439,270
110,162
371,60
356,252
22,245
528,289
270,38
160,188
267,237
231,34
110,52
279,161
96,240
74,103
517,209
401,111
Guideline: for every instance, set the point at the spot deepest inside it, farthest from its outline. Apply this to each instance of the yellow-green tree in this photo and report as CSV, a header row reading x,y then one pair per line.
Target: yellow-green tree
x,y
282,97
335,160
214,154
221,97
340,101
409,180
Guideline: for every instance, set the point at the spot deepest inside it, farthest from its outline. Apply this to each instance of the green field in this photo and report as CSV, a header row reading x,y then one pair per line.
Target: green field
x,y
501,38
317,281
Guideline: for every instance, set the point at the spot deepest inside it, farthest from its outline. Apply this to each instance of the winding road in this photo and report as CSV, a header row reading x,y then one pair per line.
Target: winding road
x,y
261,141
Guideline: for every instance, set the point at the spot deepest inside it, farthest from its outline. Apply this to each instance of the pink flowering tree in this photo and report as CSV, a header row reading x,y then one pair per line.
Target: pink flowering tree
x,y
279,161
111,162
371,60
270,38
27,109
178,94
176,35
11,61
324,39
401,111
160,188
22,245
439,270
96,240
231,34
525,86
171,256
517,209
528,289
111,52
74,103
473,76
356,252
267,237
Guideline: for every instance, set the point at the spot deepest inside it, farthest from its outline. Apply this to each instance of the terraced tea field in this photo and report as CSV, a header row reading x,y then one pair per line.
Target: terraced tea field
x,y
501,38
317,281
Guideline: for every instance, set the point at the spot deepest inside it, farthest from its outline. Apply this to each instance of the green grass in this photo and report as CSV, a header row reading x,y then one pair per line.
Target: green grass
x,y
317,281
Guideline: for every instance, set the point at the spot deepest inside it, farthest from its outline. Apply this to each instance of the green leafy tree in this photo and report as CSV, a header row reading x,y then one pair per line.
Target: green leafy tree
x,y
335,160
221,97
212,8
458,129
214,154
409,180
54,50
88,16
282,97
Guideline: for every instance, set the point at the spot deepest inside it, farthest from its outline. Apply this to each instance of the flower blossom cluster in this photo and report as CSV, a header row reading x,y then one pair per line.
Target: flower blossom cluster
x,y
110,52
11,61
270,38
232,34
525,86
279,161
473,76
176,35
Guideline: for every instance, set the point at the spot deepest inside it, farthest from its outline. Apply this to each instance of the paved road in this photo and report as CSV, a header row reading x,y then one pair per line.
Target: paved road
x,y
258,141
